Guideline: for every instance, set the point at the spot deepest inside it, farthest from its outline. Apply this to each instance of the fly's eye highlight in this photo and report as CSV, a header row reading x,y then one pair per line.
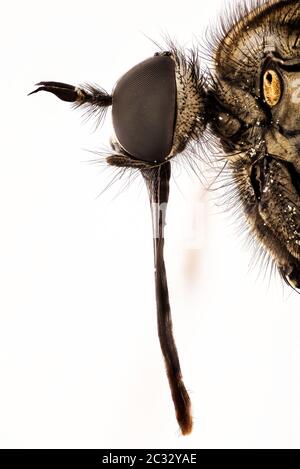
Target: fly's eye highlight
x,y
272,87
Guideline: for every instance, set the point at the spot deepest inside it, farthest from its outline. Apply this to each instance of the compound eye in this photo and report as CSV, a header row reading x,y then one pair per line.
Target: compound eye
x,y
144,109
272,87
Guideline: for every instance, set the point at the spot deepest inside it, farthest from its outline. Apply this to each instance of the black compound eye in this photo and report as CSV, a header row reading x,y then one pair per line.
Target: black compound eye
x,y
144,109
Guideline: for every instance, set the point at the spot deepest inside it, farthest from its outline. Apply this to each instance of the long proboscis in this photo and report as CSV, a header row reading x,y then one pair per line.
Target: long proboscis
x,y
157,180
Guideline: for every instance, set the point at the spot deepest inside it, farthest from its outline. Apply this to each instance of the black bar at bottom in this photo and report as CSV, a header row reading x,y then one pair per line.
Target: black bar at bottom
x,y
137,457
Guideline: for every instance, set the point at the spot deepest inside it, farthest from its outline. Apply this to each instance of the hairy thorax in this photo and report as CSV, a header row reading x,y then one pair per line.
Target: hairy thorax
x,y
256,116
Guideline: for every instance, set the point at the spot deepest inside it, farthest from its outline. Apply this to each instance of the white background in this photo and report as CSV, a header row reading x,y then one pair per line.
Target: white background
x,y
80,364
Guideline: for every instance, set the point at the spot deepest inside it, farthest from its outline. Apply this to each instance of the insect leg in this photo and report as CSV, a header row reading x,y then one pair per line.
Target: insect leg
x,y
157,181
74,94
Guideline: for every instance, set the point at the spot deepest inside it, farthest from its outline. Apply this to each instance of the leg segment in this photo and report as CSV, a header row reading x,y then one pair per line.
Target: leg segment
x,y
87,94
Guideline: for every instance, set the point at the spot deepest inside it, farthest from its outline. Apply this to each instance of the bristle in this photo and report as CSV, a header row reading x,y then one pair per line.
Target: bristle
x,y
95,102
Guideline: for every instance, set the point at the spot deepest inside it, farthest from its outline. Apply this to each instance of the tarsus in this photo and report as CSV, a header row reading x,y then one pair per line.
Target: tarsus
x,y
157,180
